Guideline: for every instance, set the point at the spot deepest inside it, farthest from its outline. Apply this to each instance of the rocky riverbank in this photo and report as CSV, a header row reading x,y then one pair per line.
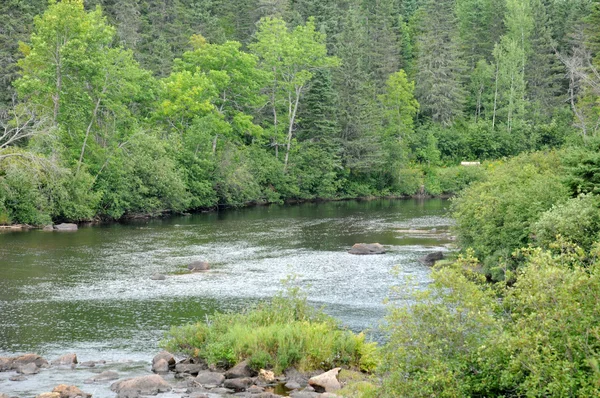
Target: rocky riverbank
x,y
186,378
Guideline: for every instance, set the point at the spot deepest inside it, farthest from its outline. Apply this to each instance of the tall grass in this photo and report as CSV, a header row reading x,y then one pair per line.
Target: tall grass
x,y
285,332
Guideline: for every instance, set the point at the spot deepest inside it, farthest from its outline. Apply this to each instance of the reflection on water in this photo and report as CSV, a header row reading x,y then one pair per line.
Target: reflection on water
x,y
89,292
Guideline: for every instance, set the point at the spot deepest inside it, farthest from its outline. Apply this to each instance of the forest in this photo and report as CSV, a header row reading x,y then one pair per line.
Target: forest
x,y
113,109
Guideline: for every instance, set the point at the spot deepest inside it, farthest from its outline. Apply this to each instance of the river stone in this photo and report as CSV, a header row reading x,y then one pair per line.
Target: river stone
x,y
238,384
48,228
266,395
29,358
144,385
48,395
199,266
190,368
266,376
209,378
2,395
326,382
367,248
255,389
17,378
28,369
104,376
65,227
88,364
66,360
160,366
167,356
240,370
222,391
304,394
431,258
158,277
66,391
292,385
5,364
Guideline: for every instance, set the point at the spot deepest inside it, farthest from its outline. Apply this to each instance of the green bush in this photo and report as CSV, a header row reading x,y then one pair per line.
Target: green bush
x,y
454,179
577,221
284,333
496,216
410,181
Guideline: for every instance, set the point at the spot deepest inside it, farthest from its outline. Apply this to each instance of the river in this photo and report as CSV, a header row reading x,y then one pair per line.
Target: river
x,y
89,291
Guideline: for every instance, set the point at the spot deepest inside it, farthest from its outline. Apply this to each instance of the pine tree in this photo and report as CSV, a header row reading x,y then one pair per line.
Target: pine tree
x,y
439,63
318,118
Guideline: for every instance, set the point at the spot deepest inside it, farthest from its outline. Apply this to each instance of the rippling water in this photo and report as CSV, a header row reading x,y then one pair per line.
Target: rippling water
x,y
89,291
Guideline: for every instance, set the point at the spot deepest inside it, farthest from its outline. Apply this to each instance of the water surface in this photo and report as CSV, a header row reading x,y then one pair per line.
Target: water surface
x,y
89,291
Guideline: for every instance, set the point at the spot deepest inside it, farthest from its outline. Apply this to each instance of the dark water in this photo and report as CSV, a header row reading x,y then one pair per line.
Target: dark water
x,y
89,291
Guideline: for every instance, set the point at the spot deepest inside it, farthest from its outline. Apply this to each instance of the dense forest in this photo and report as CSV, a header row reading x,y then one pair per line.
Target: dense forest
x,y
117,108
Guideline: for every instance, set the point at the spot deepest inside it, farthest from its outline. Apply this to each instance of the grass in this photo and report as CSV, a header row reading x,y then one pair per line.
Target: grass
x,y
285,332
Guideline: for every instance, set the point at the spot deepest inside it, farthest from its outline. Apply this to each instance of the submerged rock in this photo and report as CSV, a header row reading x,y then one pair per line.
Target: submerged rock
x,y
199,266
431,258
367,248
28,369
326,382
104,376
158,277
66,360
65,227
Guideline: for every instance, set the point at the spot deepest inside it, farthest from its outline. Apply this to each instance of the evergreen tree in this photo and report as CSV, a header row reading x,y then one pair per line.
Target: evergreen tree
x,y
318,116
439,64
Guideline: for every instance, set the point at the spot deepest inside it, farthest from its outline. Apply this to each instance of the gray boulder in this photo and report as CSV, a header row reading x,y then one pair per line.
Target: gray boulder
x,y
190,368
367,248
66,360
29,369
240,370
158,277
65,227
326,382
199,266
160,366
209,378
144,385
238,384
431,258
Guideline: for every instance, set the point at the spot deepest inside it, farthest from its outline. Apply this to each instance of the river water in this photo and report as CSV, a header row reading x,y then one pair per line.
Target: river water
x,y
89,291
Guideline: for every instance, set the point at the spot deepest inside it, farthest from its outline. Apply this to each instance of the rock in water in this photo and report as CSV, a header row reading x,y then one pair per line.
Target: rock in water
x,y
167,356
29,358
238,384
431,258
66,391
66,360
28,369
65,227
144,385
199,266
367,248
158,277
48,395
104,376
326,382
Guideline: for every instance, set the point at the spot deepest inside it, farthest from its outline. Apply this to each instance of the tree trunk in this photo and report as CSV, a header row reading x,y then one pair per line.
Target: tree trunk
x,y
291,126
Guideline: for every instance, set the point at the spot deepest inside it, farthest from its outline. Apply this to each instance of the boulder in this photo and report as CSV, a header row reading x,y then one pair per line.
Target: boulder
x,y
48,228
144,385
190,368
367,248
66,391
326,382
431,258
167,356
29,369
292,385
48,395
66,360
158,277
65,227
209,378
266,376
238,384
199,266
160,366
240,370
104,376
5,364
2,395
29,358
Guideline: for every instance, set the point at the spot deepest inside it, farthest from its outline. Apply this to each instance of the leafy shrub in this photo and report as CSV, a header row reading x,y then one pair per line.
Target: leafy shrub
x,y
577,221
410,181
454,179
280,334
496,216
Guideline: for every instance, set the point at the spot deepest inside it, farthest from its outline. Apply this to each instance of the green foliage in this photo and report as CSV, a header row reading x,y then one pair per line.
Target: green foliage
x,y
459,339
286,332
496,216
577,221
452,180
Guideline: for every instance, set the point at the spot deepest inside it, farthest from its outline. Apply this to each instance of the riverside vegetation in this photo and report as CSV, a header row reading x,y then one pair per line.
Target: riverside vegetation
x,y
149,116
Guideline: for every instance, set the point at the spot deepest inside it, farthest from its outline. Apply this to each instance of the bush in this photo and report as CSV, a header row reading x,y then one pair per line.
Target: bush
x,y
284,333
577,221
496,216
454,179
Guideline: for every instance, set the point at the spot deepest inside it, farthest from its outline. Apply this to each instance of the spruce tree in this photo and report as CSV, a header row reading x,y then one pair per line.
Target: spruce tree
x,y
439,64
318,119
